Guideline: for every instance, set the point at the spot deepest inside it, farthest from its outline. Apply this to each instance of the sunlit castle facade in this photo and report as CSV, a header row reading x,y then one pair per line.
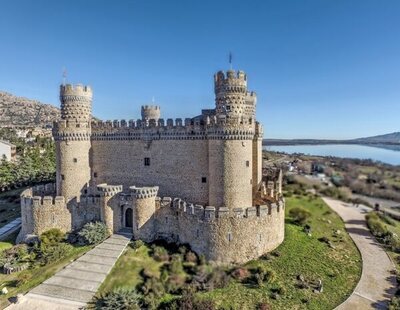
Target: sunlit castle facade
x,y
196,180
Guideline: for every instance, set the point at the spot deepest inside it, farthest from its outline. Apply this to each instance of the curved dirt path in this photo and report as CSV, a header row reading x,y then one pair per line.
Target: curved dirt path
x,y
377,284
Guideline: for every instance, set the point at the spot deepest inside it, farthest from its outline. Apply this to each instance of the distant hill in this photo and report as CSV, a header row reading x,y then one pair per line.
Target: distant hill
x,y
387,139
391,138
19,111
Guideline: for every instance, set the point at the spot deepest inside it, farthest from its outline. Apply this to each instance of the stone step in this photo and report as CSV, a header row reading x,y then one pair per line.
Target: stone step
x,y
116,241
109,246
97,259
82,275
90,267
105,252
63,292
86,285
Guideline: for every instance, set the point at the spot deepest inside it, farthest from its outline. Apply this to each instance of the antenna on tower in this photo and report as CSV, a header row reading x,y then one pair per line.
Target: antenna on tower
x,y
64,75
230,60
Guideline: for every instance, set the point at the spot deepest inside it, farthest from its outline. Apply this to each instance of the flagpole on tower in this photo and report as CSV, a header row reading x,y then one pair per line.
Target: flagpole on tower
x,y
230,60
64,75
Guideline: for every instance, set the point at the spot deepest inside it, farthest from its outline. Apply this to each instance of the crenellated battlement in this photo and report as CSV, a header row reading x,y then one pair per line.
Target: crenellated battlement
x,y
76,90
231,81
210,213
42,196
109,190
178,130
44,201
150,107
143,192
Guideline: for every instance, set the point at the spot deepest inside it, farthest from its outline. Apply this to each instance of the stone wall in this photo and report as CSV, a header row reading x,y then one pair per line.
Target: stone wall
x,y
176,166
41,213
221,236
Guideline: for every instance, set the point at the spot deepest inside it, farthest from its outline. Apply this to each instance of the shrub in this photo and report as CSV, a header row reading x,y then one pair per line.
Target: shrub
x,y
299,215
240,274
191,257
121,299
189,302
261,274
153,285
175,283
387,219
279,289
218,278
148,273
175,266
160,254
264,306
15,255
202,260
136,244
52,236
51,253
376,226
93,233
394,303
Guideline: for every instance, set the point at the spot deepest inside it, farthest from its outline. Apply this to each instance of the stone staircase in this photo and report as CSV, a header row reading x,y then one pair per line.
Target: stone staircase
x,y
75,285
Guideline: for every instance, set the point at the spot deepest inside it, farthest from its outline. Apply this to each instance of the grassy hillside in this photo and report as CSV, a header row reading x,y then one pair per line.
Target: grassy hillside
x,y
328,255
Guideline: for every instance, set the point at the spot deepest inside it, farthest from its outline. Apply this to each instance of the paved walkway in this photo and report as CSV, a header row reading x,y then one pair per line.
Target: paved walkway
x,y
75,285
10,228
377,283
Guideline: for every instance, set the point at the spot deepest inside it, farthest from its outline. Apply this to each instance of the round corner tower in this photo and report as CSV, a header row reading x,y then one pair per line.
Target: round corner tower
x,y
72,137
231,150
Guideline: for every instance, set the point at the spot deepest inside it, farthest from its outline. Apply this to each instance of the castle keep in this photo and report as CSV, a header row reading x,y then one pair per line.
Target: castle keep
x,y
195,180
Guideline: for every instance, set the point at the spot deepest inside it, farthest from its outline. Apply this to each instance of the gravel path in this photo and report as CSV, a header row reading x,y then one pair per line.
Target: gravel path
x,y
377,283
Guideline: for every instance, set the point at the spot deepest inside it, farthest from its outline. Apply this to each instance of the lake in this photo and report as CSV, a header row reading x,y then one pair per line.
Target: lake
x,y
341,150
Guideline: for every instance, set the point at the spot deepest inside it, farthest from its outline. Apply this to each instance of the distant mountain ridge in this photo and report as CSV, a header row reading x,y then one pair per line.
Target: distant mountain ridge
x,y
387,139
392,138
20,111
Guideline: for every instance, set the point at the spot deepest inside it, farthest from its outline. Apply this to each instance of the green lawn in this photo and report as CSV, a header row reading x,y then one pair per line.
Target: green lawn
x,y
9,241
339,266
126,272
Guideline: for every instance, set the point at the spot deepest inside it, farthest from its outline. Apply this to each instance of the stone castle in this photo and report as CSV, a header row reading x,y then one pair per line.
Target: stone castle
x,y
196,181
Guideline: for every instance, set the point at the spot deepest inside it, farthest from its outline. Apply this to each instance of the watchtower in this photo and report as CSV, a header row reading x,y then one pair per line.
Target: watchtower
x,y
232,100
72,136
150,112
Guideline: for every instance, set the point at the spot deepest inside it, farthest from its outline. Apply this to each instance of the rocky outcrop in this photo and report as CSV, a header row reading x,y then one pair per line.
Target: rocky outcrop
x,y
19,111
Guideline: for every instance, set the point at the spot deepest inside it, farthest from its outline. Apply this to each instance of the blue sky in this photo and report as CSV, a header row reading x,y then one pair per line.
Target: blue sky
x,y
321,68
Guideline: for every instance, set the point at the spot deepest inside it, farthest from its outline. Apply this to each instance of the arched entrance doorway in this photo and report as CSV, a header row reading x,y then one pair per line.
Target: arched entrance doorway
x,y
129,218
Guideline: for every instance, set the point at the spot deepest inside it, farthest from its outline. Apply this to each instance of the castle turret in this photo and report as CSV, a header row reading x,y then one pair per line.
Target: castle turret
x,y
72,136
231,150
232,100
143,215
150,112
